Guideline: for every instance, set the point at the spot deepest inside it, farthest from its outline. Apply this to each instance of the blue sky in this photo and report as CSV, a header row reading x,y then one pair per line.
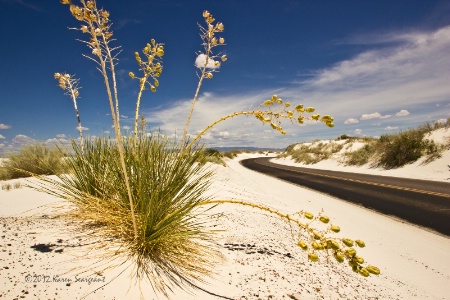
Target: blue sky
x,y
376,66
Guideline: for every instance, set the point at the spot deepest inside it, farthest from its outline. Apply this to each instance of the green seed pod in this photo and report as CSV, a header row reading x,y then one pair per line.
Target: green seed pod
x,y
317,236
335,228
310,109
359,259
360,243
347,242
364,272
131,74
313,257
308,215
334,245
302,245
350,252
339,256
317,246
324,219
373,270
315,117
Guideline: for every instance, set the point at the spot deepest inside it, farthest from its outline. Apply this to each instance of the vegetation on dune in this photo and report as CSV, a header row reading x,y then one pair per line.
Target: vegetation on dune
x,y
32,159
389,151
145,193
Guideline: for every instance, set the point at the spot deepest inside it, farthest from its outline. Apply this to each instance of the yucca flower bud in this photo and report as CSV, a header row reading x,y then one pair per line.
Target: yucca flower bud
x,y
268,102
287,104
335,228
373,270
273,125
219,26
84,29
214,41
209,75
317,236
308,215
274,98
364,272
317,246
310,109
77,12
348,242
57,75
152,88
359,259
283,132
324,219
299,108
329,124
221,40
350,252
66,2
313,257
360,243
302,245
131,74
300,120
338,256
206,14
156,83
224,58
315,117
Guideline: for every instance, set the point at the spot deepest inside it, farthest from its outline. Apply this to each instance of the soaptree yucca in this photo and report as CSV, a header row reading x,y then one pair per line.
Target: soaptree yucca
x,y
146,192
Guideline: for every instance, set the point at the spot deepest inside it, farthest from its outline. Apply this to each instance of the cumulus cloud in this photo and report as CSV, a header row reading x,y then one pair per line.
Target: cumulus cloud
x,y
201,60
82,128
22,139
375,115
351,121
358,131
391,128
4,126
402,113
126,127
61,136
2,137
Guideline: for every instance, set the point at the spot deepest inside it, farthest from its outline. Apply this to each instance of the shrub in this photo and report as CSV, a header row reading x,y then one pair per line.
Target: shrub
x,y
33,159
361,156
402,148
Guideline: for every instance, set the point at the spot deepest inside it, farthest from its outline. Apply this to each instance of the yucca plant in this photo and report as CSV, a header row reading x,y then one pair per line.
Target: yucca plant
x,y
146,192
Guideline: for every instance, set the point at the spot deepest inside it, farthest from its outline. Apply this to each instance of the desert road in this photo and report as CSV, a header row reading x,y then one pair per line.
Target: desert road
x,y
421,202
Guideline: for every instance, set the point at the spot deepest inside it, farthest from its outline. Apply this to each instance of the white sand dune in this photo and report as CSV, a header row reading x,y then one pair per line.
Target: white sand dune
x,y
262,260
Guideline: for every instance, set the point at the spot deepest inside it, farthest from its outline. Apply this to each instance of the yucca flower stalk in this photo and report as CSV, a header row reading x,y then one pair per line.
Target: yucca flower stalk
x,y
210,41
70,84
152,68
97,26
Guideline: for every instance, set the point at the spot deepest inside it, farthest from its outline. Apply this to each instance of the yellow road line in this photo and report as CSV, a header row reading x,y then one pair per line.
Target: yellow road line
x,y
365,182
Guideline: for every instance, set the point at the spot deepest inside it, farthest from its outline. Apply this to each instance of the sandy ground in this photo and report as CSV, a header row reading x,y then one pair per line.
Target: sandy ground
x,y
38,250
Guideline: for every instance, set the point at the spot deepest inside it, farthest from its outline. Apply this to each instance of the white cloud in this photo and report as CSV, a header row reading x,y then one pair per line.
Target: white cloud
x,y
441,121
391,128
402,113
61,136
22,139
4,126
201,60
358,131
2,137
409,71
82,128
126,127
375,115
351,121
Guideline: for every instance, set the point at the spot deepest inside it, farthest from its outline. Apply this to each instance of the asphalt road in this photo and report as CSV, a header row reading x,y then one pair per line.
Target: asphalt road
x,y
421,202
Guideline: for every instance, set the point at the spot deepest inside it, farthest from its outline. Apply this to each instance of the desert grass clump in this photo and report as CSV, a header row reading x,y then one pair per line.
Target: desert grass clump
x,y
145,193
172,244
361,156
34,159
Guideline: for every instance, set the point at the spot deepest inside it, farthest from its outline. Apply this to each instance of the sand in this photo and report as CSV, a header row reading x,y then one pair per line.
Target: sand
x,y
262,260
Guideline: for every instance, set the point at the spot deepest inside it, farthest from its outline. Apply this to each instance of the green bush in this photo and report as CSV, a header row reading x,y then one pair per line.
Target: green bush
x,y
361,156
402,148
35,159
